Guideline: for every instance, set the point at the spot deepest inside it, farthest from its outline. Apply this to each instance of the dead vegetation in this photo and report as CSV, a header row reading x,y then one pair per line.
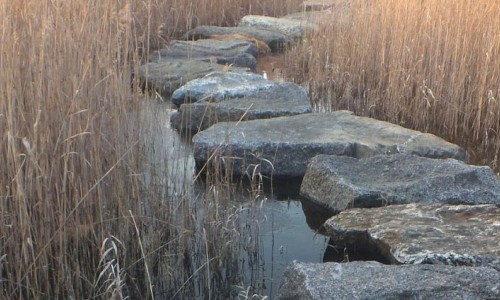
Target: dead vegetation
x,y
429,65
79,215
83,213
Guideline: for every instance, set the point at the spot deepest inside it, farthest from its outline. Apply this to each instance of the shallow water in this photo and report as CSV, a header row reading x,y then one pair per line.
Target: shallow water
x,y
284,236
273,232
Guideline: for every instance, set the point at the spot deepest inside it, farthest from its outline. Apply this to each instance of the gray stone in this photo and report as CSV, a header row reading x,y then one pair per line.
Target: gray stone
x,y
217,86
461,235
230,96
316,17
339,183
340,15
167,76
276,40
318,5
237,52
372,280
283,146
294,29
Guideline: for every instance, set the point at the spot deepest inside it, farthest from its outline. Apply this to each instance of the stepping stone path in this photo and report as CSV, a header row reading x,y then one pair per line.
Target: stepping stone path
x,y
339,182
259,126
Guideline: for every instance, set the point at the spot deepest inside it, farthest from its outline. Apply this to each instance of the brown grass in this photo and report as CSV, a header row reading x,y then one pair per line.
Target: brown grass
x,y
86,210
430,65
172,18
78,219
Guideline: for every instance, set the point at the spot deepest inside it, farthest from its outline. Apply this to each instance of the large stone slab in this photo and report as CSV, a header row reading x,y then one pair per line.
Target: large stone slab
x,y
461,235
283,146
218,86
231,96
313,17
294,29
276,40
318,5
236,52
372,280
166,76
339,182
340,15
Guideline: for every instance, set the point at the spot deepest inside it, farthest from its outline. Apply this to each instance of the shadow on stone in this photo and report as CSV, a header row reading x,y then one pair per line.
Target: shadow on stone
x,y
348,253
316,215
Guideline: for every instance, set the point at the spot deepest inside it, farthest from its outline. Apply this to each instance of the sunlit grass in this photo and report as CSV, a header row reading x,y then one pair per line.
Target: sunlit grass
x,y
84,212
87,210
430,65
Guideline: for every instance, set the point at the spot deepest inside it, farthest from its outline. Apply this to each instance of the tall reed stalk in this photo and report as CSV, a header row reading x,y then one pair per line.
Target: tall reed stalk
x,y
86,208
68,142
430,65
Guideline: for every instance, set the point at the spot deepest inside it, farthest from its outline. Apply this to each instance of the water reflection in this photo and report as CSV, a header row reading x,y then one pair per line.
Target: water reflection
x,y
222,241
284,236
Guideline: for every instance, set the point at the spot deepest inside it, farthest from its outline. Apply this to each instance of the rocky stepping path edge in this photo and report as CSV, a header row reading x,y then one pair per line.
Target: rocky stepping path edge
x,y
403,197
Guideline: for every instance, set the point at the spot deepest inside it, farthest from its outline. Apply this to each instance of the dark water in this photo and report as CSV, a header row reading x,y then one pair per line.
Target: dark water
x,y
279,230
284,236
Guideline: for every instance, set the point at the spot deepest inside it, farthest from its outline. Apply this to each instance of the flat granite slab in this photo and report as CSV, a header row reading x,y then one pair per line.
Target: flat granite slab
x,y
340,182
220,97
236,52
461,235
372,280
276,40
294,29
165,76
283,146
318,5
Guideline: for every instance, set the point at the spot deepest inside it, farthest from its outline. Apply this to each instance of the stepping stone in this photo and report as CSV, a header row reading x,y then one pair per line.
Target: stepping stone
x,y
340,15
319,5
237,52
166,76
372,280
340,182
313,17
231,96
294,29
283,146
461,235
276,40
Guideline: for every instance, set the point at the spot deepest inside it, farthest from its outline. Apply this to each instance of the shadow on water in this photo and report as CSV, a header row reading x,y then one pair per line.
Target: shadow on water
x,y
229,244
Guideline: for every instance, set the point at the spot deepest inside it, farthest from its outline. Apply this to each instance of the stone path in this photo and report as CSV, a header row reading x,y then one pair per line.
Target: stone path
x,y
258,126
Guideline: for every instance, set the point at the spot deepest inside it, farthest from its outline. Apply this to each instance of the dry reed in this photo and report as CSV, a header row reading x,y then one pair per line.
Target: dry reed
x,y
77,189
429,65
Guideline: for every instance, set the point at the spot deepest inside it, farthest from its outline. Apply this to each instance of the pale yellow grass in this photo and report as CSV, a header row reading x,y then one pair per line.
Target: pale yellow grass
x,y
74,220
432,65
